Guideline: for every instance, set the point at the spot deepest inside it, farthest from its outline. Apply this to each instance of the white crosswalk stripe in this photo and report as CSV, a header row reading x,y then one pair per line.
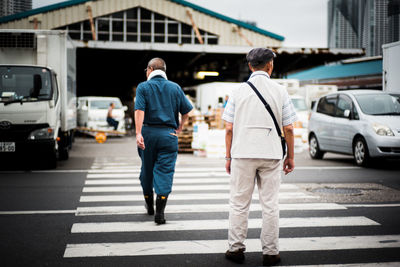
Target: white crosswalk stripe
x,y
205,196
199,208
219,246
176,188
216,224
117,182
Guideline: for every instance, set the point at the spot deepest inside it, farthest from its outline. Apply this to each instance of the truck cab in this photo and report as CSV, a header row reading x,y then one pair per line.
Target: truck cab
x,y
37,95
28,96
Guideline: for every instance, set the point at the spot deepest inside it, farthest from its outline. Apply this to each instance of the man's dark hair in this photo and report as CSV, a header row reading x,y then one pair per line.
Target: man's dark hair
x,y
261,65
157,64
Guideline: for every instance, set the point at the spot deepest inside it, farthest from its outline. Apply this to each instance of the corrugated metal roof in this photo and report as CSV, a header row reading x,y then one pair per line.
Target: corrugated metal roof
x,y
230,20
181,2
339,71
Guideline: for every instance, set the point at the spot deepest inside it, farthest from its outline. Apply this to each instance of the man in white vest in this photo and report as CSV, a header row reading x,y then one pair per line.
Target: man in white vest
x,y
254,154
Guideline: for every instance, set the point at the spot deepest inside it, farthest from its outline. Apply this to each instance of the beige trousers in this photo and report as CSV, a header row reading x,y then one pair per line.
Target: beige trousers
x,y
244,174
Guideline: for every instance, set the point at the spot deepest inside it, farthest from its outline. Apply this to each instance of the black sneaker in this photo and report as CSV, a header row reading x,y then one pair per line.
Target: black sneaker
x,y
236,256
270,260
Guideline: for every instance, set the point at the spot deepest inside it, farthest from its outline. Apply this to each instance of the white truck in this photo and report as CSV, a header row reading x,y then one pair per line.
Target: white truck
x,y
211,94
92,113
391,67
37,94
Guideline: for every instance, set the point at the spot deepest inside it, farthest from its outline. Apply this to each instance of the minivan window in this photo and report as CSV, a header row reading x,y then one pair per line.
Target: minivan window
x,y
378,104
344,103
327,105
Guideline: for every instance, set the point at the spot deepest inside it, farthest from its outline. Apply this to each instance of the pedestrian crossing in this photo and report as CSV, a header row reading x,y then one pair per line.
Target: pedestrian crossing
x,y
197,217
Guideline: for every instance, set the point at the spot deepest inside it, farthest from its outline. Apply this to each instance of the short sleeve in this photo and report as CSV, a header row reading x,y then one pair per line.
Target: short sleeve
x,y
229,111
185,107
140,102
288,112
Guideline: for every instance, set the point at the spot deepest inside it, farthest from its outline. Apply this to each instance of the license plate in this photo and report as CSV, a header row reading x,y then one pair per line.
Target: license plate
x,y
7,147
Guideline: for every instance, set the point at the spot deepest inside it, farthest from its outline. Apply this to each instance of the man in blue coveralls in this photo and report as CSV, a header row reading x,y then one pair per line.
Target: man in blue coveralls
x,y
157,107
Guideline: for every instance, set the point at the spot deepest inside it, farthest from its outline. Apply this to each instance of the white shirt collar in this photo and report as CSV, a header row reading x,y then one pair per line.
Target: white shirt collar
x,y
259,72
157,73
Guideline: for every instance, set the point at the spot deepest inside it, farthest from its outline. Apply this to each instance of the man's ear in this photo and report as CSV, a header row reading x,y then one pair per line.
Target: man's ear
x,y
270,66
250,67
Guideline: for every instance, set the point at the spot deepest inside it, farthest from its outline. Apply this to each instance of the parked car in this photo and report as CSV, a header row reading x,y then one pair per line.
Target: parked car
x,y
364,123
92,112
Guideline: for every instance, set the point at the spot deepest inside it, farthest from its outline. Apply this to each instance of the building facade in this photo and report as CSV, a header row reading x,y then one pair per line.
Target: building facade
x,y
9,7
364,24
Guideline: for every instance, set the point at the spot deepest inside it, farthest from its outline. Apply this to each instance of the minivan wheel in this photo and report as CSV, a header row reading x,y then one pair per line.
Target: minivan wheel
x,y
314,150
360,152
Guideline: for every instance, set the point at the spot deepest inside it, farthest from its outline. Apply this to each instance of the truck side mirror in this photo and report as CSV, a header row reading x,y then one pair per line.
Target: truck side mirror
x,y
124,108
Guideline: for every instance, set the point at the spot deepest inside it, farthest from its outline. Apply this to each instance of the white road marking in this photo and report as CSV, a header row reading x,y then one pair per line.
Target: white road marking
x,y
118,210
175,188
374,264
32,212
372,205
177,169
207,196
176,175
137,169
220,246
194,225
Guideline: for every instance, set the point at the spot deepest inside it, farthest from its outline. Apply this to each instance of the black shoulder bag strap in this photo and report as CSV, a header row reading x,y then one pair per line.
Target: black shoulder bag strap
x,y
278,129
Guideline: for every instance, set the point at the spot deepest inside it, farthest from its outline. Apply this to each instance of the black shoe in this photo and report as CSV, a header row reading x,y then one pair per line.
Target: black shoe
x,y
149,204
236,256
270,260
161,202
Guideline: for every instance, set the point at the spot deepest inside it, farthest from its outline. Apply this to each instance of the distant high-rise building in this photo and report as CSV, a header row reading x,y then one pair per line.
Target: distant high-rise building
x,y
9,7
394,20
364,24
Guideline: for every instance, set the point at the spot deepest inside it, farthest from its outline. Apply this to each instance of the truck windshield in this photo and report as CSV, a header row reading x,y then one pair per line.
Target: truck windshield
x,y
20,84
104,104
379,104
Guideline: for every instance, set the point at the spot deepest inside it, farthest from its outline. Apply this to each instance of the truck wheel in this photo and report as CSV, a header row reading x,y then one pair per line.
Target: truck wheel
x,y
314,150
63,153
360,152
51,160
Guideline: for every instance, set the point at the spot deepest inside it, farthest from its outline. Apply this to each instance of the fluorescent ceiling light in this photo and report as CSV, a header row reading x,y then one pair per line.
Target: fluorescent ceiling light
x,y
202,74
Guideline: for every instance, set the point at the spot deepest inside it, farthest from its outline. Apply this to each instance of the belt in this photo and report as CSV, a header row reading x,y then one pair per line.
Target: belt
x,y
158,125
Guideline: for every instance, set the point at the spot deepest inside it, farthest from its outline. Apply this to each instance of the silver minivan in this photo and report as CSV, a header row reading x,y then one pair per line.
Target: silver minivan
x,y
362,123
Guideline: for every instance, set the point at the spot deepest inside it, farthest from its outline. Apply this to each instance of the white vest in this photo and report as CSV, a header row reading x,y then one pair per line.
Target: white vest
x,y
254,132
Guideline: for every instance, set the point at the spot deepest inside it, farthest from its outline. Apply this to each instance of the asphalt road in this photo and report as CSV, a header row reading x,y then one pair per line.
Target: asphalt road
x,y
89,212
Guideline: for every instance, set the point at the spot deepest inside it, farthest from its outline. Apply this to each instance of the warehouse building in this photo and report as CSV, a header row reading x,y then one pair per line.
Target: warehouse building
x,y
116,38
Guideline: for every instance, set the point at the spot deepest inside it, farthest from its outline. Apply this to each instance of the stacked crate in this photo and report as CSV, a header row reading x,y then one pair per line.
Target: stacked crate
x,y
185,138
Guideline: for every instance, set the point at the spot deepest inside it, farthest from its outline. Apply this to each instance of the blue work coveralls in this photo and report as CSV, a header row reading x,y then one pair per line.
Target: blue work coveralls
x,y
162,101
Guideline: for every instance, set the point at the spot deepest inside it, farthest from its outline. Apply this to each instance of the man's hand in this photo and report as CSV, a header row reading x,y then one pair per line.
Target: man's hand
x,y
228,166
179,130
288,165
140,141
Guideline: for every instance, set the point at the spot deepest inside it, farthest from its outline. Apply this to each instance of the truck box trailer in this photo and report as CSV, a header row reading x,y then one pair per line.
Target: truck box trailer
x,y
391,68
37,94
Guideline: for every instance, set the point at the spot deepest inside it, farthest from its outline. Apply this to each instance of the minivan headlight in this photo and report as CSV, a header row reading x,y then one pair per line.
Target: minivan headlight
x,y
381,129
44,133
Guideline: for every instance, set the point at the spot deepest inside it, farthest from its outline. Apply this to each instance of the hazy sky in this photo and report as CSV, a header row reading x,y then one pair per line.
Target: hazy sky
x,y
303,23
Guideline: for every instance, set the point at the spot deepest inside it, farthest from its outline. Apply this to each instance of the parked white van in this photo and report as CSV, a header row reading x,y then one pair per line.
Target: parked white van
x,y
92,112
